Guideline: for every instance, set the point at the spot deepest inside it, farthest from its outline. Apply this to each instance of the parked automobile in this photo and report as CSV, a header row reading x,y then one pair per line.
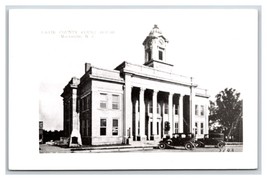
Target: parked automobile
x,y
216,139
178,139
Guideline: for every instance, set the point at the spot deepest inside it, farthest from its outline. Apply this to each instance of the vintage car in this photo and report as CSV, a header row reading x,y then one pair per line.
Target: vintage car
x,y
216,139
178,139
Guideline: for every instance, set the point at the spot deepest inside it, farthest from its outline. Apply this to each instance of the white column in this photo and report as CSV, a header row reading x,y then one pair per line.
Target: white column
x,y
173,118
163,120
192,112
181,115
170,113
160,127
136,118
142,115
128,114
148,126
155,114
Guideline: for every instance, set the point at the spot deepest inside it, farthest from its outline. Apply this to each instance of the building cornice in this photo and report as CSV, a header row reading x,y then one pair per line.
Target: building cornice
x,y
93,77
154,74
202,95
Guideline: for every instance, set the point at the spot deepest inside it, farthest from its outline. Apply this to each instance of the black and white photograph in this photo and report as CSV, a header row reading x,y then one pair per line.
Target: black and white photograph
x,y
113,85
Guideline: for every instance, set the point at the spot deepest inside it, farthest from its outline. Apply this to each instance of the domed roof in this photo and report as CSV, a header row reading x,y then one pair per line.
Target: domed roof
x,y
155,31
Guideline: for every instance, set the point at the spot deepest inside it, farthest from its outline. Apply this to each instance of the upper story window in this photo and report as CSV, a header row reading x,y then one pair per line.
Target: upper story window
x,y
85,103
196,109
202,110
149,56
176,109
103,100
150,107
166,109
115,102
160,55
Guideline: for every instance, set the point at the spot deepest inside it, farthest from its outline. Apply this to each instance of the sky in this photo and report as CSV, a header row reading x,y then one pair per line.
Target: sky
x,y
217,47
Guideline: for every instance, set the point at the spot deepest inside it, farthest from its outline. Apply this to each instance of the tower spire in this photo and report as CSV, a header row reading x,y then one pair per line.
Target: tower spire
x,y
155,48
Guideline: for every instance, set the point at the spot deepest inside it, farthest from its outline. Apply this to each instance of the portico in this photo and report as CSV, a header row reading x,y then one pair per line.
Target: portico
x,y
152,109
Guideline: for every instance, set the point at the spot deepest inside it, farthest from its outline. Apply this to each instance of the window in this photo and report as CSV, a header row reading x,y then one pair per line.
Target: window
x,y
196,109
196,128
166,109
103,127
85,103
150,107
201,128
202,110
176,127
158,108
176,109
115,102
149,55
151,127
157,128
103,100
115,126
160,55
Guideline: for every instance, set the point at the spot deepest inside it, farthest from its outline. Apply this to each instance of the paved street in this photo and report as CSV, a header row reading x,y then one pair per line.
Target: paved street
x,y
44,148
55,149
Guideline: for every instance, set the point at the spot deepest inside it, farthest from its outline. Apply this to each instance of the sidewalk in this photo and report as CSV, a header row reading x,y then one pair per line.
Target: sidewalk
x,y
134,146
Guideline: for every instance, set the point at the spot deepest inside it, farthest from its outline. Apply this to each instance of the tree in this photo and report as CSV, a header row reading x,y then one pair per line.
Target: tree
x,y
52,135
227,112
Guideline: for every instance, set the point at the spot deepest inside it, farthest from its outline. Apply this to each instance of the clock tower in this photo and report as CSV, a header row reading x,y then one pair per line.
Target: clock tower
x,y
155,49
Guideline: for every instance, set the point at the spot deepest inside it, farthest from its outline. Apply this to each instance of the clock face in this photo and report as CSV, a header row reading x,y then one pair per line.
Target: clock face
x,y
161,41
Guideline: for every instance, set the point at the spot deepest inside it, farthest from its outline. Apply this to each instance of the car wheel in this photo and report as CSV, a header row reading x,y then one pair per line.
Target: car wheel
x,y
220,145
169,142
188,146
162,146
198,144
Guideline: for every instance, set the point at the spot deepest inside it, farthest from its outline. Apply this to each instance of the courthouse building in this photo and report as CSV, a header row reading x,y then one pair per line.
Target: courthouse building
x,y
134,102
